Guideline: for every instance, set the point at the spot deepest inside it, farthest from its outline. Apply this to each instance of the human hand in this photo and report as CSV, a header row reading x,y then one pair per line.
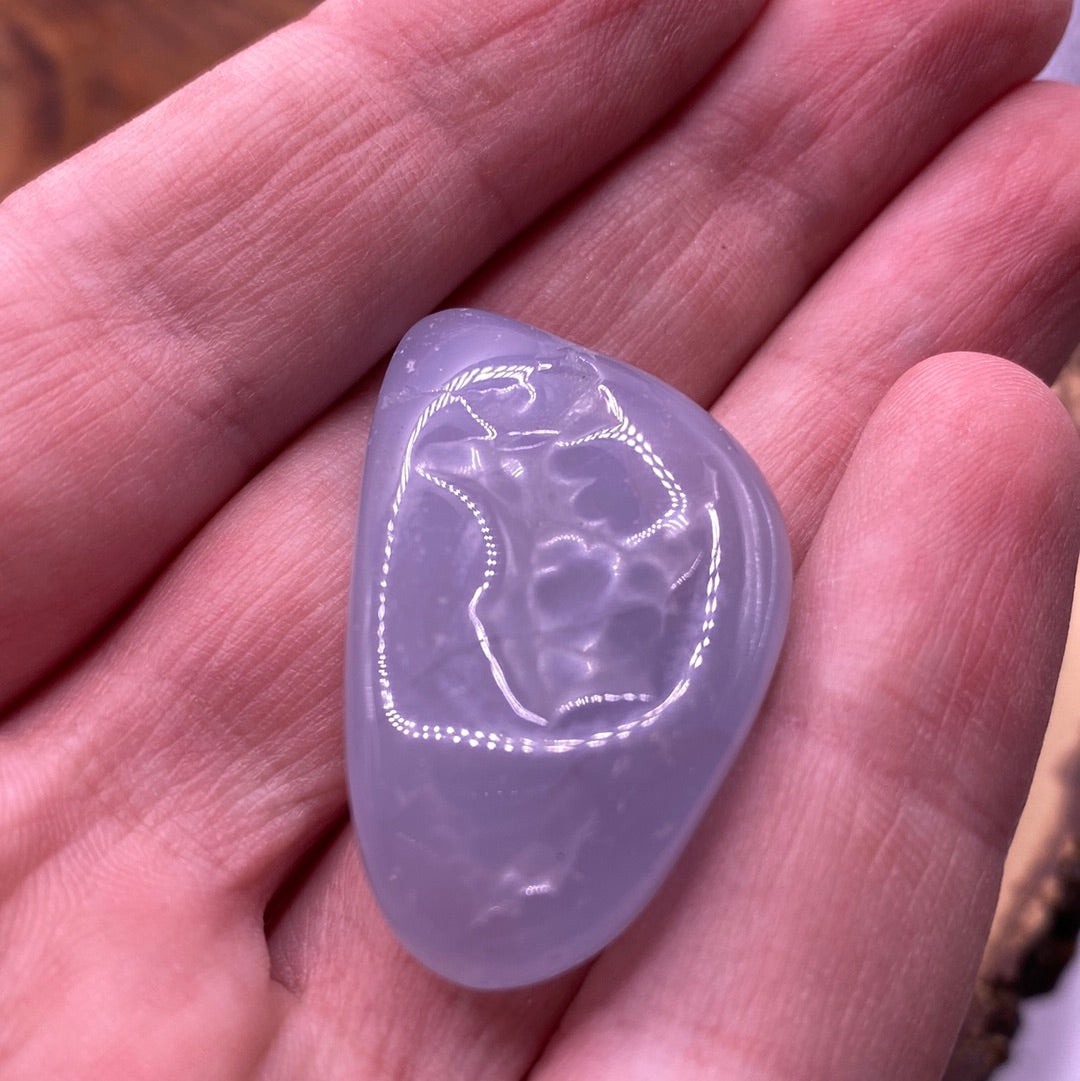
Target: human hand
x,y
843,196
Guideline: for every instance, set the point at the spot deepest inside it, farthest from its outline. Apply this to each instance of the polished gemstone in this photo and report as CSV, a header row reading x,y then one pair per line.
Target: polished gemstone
x,y
570,590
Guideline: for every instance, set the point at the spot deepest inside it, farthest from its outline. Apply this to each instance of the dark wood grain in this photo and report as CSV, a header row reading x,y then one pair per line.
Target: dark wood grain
x,y
70,70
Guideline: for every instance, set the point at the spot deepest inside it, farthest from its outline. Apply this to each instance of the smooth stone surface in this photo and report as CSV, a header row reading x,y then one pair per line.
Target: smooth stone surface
x,y
570,591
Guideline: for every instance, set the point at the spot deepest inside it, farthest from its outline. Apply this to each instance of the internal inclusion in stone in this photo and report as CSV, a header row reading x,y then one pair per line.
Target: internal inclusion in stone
x,y
586,624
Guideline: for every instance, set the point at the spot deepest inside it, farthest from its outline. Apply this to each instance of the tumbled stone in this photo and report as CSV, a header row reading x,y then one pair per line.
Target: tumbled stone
x,y
570,590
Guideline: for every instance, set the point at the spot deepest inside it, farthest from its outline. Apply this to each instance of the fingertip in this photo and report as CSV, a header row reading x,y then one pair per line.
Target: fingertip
x,y
989,417
994,459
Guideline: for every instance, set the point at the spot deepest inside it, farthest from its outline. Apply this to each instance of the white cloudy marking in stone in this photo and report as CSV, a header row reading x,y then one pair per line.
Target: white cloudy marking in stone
x,y
674,518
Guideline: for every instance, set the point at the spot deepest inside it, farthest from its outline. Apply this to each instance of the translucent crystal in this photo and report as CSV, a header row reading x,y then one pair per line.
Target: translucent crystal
x,y
570,590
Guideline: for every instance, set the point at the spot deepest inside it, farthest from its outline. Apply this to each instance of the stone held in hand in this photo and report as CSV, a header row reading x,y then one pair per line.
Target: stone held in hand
x,y
570,591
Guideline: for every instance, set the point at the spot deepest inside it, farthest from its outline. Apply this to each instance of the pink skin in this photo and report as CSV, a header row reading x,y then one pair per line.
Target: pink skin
x,y
854,187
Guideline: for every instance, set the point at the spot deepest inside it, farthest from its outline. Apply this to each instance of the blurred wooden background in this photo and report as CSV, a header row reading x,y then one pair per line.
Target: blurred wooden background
x,y
72,69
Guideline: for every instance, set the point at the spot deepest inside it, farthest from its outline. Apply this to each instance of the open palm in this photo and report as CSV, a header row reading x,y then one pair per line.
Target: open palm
x,y
784,209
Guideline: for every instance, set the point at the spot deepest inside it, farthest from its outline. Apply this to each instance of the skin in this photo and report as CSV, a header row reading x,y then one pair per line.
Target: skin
x,y
799,212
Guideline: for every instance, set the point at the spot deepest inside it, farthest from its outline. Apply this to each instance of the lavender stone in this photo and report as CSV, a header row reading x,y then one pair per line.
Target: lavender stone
x,y
570,591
